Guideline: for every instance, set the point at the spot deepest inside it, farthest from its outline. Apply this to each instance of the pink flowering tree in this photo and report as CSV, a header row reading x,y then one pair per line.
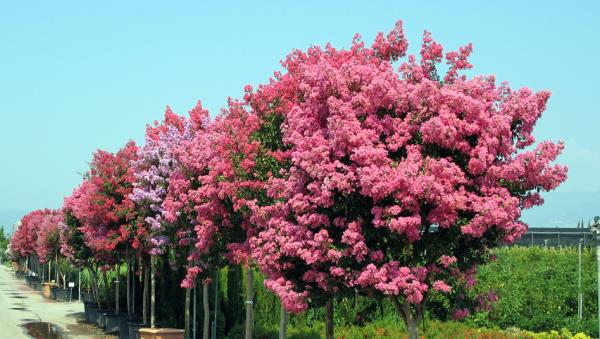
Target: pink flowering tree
x,y
73,245
220,178
393,183
23,242
104,208
47,244
153,170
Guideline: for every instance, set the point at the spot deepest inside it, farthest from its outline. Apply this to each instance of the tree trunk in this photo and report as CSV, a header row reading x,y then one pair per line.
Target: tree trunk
x,y
283,321
128,299
79,284
216,305
329,319
107,287
94,277
206,306
153,292
411,319
187,312
195,301
56,266
117,283
134,277
145,294
249,302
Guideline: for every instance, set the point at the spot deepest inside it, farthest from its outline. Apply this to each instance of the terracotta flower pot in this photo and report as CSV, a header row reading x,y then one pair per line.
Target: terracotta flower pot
x,y
47,290
161,333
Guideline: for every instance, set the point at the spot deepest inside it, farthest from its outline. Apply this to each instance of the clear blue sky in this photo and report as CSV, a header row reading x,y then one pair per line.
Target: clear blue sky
x,y
77,76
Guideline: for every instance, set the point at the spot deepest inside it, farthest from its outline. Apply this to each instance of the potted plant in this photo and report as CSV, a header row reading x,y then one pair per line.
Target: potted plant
x,y
62,294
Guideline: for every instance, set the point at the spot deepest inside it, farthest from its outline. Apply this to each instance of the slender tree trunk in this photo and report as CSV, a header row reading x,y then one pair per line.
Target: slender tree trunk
x,y
117,283
56,268
153,292
283,321
187,312
79,284
194,322
107,287
329,319
186,320
145,294
206,307
133,261
94,277
249,302
49,270
216,305
128,299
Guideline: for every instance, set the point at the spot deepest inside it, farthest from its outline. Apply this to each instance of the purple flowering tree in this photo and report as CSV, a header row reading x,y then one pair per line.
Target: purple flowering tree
x,y
155,164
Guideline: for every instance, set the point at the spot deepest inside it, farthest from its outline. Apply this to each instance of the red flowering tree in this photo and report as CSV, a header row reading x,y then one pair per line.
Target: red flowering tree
x,y
24,241
106,218
47,244
72,239
104,208
396,183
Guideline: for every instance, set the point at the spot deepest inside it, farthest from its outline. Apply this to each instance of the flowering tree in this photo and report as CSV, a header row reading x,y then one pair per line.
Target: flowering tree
x,y
72,240
47,242
103,206
107,213
153,169
24,241
397,183
216,185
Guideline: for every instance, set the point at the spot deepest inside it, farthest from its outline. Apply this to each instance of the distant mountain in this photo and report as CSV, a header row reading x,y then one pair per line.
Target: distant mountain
x,y
564,209
10,216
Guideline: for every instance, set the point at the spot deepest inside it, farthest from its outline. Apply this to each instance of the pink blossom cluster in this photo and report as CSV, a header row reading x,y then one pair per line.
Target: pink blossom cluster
x,y
25,239
213,187
102,204
384,166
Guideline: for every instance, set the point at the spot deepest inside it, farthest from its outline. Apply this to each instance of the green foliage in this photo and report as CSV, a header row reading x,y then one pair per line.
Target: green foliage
x,y
4,240
234,305
391,329
266,304
538,290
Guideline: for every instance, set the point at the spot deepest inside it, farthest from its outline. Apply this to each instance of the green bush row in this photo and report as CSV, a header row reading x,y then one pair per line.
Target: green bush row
x,y
538,290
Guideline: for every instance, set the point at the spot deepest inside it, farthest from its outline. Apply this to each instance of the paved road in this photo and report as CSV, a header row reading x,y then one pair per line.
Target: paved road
x,y
20,304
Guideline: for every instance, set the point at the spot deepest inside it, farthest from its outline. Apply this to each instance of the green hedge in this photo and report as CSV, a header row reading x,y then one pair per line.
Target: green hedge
x,y
538,290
